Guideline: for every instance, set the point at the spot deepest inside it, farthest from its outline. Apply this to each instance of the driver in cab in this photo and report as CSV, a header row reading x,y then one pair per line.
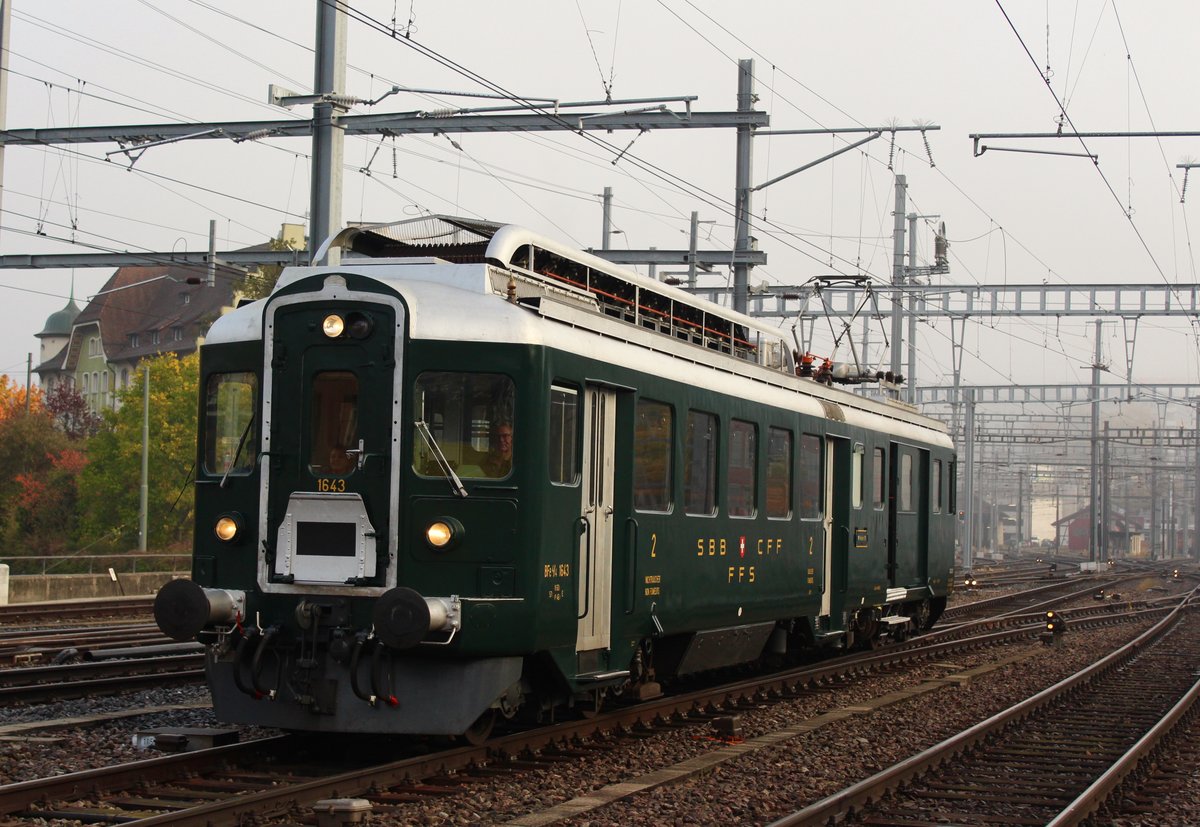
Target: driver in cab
x,y
499,458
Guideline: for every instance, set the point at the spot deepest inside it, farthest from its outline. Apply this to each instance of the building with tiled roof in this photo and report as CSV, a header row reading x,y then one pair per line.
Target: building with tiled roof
x,y
141,312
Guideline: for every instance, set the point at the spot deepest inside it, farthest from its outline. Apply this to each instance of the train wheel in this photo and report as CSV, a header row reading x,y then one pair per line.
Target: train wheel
x,y
923,616
591,706
481,730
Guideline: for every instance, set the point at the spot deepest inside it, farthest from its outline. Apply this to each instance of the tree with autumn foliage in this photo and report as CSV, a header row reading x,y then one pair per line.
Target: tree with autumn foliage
x,y
71,412
43,462
12,398
109,488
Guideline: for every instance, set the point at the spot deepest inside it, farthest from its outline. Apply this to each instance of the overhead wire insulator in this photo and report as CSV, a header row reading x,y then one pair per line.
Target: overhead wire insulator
x,y
256,135
1183,189
892,150
928,151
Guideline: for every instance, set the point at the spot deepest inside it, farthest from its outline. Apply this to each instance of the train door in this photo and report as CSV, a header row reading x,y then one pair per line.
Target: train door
x,y
328,502
596,519
839,479
905,513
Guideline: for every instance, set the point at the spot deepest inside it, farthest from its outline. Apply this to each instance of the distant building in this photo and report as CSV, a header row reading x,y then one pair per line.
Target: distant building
x,y
1074,531
140,312
53,339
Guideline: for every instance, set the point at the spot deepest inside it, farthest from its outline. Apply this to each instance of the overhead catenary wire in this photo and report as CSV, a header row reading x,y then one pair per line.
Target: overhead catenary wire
x,y
1141,238
818,257
747,45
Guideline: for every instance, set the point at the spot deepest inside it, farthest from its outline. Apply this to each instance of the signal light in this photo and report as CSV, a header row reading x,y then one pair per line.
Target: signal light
x,y
354,325
359,325
1055,626
333,325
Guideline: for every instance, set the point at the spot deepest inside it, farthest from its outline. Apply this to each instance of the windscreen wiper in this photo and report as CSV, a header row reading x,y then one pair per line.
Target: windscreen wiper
x,y
238,453
440,458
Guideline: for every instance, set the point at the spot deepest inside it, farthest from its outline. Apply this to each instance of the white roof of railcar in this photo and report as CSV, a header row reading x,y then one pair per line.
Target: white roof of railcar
x,y
430,286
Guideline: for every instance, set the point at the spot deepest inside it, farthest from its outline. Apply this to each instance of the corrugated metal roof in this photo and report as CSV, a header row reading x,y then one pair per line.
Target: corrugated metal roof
x,y
443,236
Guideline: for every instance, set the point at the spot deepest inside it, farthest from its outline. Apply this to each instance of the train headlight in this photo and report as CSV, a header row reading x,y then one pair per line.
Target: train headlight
x,y
333,325
443,533
359,325
228,527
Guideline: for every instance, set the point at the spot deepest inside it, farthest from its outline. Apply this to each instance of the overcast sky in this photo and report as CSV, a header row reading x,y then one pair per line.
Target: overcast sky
x,y
1012,217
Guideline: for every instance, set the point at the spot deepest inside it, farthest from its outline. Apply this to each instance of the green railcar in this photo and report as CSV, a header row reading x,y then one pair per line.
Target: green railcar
x,y
432,494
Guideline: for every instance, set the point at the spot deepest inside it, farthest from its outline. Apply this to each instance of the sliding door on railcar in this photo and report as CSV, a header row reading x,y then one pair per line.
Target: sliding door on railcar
x,y
908,516
596,519
843,492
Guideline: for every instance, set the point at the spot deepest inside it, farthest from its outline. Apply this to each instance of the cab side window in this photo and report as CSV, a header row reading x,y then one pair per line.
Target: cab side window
x,y
564,435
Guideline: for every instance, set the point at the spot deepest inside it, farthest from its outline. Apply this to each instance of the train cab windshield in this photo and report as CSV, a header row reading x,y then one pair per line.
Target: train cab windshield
x,y
470,416
229,443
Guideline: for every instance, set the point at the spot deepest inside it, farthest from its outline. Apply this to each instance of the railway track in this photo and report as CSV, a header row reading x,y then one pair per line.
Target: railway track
x,y
141,668
225,787
1030,600
44,646
1056,758
135,656
102,610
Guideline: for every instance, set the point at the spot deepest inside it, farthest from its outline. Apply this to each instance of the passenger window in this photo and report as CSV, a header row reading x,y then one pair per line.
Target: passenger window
x,y
936,484
810,476
906,482
652,450
470,418
779,473
334,418
700,467
230,437
856,476
564,435
743,468
879,485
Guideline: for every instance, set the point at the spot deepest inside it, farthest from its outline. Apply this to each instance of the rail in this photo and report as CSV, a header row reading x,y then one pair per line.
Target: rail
x,y
873,790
